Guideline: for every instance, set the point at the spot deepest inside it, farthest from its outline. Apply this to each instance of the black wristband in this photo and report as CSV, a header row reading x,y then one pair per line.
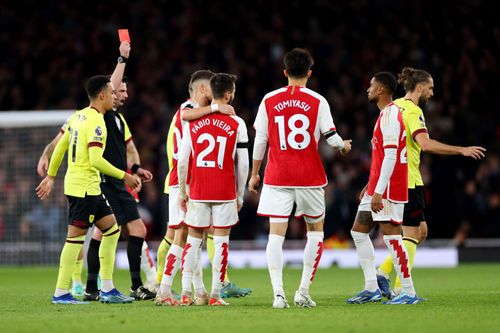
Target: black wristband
x,y
122,60
134,168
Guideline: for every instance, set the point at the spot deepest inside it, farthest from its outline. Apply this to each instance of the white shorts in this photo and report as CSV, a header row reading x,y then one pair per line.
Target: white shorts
x,y
202,215
175,215
392,211
277,203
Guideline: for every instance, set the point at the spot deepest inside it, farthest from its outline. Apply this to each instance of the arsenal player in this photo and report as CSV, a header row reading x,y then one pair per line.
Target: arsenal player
x,y
384,197
215,189
292,119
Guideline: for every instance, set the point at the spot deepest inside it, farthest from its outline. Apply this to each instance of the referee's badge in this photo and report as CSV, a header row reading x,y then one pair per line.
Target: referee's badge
x,y
91,218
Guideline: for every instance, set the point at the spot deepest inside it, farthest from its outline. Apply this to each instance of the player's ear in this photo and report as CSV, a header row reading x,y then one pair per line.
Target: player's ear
x,y
419,88
285,73
309,72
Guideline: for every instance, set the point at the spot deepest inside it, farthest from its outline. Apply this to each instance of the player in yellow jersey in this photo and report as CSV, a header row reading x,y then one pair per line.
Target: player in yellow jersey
x,y
418,85
85,141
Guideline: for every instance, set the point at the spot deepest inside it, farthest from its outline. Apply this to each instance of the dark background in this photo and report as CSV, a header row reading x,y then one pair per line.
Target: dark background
x,y
50,48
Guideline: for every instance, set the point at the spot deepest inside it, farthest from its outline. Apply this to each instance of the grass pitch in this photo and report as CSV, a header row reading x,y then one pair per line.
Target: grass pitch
x,y
464,299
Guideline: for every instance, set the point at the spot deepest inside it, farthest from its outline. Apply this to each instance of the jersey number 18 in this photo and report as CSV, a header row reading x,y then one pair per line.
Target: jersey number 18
x,y
291,138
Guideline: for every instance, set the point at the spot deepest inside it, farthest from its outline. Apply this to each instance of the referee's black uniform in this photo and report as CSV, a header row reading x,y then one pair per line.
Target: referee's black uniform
x,y
121,201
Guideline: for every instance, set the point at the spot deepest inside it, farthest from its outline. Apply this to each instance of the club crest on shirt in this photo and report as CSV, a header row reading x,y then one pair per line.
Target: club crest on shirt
x,y
98,131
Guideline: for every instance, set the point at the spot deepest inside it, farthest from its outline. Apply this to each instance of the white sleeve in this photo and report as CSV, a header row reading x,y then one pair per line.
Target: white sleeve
x,y
390,128
327,127
261,133
242,133
183,161
386,170
325,118
242,158
243,167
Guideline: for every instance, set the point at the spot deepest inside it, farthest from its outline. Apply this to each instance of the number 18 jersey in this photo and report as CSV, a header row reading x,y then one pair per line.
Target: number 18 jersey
x,y
293,118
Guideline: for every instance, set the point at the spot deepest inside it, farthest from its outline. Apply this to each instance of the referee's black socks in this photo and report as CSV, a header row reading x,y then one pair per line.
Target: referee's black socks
x,y
134,250
93,265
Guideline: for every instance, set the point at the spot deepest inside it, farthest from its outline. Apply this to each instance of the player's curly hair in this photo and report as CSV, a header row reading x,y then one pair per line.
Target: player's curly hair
x,y
410,77
298,62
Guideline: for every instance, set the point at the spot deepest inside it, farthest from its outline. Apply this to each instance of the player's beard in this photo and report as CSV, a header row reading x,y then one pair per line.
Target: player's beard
x,y
422,100
373,100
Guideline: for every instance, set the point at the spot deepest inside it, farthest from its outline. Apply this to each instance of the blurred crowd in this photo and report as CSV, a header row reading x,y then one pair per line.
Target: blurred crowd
x,y
50,50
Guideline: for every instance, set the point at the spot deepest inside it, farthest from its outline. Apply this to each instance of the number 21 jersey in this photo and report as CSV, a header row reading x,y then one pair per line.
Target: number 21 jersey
x,y
214,140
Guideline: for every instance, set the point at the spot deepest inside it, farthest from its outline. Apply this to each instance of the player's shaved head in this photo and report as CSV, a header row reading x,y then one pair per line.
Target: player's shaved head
x,y
95,85
388,80
298,62
200,75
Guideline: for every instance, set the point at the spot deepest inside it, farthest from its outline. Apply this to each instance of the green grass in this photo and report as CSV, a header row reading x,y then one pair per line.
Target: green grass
x,y
464,299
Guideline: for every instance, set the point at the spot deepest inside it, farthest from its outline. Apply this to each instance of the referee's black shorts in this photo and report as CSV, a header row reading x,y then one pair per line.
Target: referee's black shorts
x,y
85,211
123,203
414,209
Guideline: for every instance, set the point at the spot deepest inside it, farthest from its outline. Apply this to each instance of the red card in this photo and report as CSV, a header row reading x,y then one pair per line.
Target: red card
x,y
124,36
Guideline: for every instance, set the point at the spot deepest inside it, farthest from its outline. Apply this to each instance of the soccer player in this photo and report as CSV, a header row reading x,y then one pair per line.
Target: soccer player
x,y
85,141
292,119
122,153
383,198
197,106
419,86
215,189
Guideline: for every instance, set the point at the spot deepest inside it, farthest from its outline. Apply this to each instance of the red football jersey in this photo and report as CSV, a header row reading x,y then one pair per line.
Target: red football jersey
x,y
213,140
389,132
173,180
294,118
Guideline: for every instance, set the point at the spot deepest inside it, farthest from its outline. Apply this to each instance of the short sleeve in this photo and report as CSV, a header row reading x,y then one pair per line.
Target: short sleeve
x,y
415,124
96,132
127,134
